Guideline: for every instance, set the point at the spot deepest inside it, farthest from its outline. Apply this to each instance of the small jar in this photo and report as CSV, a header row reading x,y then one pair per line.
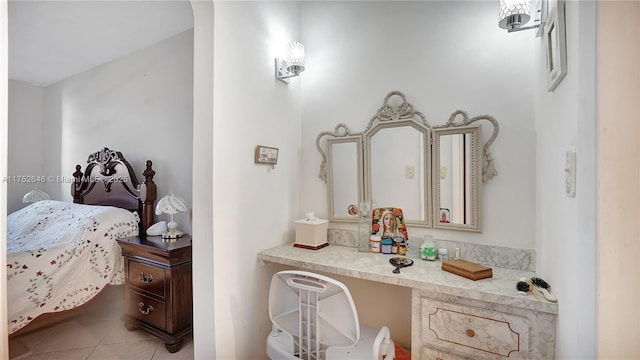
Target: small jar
x,y
443,254
428,248
402,249
374,244
394,247
385,247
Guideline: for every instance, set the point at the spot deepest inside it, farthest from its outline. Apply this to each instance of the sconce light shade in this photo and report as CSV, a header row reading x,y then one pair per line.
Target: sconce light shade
x,y
514,13
295,57
35,195
171,204
293,65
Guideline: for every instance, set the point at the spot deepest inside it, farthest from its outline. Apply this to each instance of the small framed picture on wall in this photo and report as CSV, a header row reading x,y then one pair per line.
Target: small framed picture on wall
x,y
555,44
266,155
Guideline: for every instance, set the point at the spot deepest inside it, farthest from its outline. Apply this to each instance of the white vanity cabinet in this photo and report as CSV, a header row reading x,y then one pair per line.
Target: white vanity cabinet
x,y
454,327
452,317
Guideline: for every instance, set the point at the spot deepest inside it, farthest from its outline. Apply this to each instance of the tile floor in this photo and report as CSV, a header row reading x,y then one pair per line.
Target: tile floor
x,y
96,334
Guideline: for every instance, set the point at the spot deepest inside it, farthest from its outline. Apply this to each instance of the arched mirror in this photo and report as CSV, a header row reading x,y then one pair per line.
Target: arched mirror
x,y
397,166
457,178
433,173
344,184
341,169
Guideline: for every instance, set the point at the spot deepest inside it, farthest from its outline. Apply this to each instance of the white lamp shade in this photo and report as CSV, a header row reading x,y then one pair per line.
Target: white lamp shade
x,y
171,204
295,56
514,9
35,195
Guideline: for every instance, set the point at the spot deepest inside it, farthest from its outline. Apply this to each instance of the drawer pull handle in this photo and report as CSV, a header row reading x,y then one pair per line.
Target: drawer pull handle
x,y
146,278
147,311
471,333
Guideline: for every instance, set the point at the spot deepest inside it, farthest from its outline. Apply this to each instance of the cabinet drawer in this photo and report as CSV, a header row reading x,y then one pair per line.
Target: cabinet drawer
x,y
148,310
475,332
433,354
147,278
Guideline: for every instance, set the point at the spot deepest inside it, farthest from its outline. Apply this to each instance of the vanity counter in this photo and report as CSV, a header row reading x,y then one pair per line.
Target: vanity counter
x,y
422,275
451,317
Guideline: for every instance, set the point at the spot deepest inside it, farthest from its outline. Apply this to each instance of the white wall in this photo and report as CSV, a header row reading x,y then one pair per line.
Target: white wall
x,y
204,336
358,51
566,227
25,141
140,105
618,174
254,206
4,147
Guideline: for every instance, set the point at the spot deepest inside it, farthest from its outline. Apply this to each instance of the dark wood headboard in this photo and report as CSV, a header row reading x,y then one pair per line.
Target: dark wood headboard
x,y
110,180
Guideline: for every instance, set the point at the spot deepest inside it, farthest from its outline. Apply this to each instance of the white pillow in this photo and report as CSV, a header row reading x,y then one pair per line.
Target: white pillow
x,y
158,228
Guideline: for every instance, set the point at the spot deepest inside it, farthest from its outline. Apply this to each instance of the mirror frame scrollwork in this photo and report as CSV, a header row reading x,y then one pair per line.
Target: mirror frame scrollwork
x,y
390,113
341,130
396,115
341,134
488,166
403,111
469,190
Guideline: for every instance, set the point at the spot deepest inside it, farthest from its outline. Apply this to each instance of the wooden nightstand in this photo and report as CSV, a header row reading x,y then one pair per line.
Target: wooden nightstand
x,y
159,291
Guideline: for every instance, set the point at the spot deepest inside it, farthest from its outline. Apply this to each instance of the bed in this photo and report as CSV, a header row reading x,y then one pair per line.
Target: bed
x,y
60,255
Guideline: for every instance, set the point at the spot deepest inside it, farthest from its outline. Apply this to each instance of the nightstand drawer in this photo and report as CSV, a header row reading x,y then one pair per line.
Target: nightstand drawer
x,y
147,278
159,290
148,310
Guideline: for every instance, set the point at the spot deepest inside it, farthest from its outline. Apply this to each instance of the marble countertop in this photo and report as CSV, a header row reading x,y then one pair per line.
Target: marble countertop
x,y
422,275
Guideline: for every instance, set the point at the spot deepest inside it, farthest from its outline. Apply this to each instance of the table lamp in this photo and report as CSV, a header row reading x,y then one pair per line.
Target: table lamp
x,y
171,204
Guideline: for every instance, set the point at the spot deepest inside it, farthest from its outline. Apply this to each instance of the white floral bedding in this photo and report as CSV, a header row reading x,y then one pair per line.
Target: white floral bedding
x,y
60,255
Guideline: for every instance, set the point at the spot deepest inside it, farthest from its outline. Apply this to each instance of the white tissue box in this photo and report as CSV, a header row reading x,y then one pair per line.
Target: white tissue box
x,y
311,234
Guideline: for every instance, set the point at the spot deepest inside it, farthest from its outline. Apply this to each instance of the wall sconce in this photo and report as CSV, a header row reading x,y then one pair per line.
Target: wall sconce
x,y
293,65
515,13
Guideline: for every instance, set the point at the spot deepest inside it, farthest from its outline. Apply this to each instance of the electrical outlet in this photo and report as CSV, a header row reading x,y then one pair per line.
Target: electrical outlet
x,y
443,173
411,172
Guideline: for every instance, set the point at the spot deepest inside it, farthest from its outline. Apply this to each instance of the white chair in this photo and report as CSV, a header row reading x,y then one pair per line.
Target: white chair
x,y
314,318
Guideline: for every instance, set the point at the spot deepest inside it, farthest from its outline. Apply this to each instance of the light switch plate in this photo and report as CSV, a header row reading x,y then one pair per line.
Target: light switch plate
x,y
570,173
443,173
411,172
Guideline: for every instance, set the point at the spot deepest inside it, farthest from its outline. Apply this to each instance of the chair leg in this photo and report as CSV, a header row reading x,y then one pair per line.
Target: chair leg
x,y
383,346
274,330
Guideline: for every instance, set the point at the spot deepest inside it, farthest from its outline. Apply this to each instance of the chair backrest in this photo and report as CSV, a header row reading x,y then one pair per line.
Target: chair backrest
x,y
317,311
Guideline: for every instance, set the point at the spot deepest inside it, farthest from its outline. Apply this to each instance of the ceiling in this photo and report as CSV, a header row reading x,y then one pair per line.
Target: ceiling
x,y
52,40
